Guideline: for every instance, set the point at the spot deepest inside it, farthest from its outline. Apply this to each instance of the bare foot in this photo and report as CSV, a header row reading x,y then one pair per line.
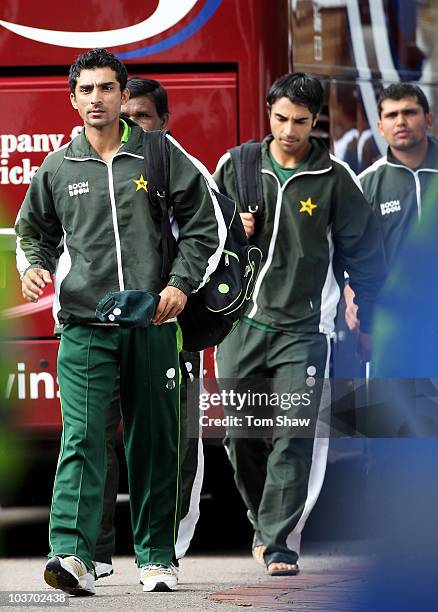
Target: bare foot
x,y
283,569
257,553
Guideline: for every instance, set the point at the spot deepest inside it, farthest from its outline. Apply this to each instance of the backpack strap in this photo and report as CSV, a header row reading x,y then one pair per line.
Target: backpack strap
x,y
247,166
156,160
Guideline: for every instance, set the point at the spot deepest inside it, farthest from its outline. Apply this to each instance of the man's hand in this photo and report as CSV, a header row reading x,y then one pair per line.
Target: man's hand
x,y
33,282
248,221
351,309
170,305
364,347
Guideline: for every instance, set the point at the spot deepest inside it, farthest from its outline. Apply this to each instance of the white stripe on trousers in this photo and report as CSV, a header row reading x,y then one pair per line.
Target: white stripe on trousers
x,y
319,461
188,522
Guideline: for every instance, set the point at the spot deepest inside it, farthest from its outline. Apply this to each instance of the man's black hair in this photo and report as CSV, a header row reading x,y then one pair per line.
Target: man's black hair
x,y
300,88
97,58
141,86
397,91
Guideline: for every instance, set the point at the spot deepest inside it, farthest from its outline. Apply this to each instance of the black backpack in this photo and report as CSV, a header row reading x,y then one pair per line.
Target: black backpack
x,y
213,311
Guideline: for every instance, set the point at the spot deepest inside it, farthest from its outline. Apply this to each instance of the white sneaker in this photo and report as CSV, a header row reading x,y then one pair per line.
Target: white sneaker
x,y
158,577
175,569
69,574
102,570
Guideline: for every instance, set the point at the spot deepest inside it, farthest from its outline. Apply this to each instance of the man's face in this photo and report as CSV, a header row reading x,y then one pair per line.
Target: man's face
x,y
403,123
291,125
98,97
143,111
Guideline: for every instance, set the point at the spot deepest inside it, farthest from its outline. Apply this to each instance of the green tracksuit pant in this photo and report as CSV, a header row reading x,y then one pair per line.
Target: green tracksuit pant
x,y
88,362
192,465
279,478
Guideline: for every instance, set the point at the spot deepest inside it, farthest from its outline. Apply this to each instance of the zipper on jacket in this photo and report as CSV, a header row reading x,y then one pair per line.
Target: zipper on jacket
x,y
280,191
113,209
417,185
115,224
418,194
271,248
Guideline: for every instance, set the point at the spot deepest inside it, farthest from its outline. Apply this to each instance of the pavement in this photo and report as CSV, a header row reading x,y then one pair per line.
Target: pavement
x,y
331,574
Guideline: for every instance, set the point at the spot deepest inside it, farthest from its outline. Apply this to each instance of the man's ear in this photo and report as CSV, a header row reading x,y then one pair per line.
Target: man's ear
x,y
125,95
73,101
379,127
429,120
315,119
164,121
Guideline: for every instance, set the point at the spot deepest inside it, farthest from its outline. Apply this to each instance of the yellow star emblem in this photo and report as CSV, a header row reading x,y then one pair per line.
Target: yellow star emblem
x,y
141,183
307,206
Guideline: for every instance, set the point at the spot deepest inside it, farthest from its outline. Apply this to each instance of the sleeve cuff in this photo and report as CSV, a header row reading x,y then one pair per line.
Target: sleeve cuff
x,y
179,283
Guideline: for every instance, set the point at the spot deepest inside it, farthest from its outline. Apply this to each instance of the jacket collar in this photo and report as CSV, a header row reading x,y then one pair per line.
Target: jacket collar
x,y
429,163
318,160
80,148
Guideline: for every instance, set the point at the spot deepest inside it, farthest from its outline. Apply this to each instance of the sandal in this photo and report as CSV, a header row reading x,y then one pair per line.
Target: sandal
x,y
292,569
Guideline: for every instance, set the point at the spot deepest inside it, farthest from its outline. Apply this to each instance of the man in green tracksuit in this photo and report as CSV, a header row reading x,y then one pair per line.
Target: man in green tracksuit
x,y
315,225
403,188
148,107
396,184
93,193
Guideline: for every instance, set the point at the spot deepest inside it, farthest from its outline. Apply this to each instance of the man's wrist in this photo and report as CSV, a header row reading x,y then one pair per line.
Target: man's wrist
x,y
34,267
179,283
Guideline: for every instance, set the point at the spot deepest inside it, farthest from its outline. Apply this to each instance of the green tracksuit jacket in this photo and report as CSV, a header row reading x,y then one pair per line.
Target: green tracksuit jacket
x,y
313,228
111,231
396,194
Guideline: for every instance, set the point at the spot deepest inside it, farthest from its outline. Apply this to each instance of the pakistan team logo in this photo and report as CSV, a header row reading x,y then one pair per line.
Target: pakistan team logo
x,y
141,183
307,206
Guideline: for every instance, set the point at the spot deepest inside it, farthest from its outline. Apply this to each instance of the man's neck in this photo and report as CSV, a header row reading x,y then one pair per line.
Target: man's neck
x,y
414,157
105,141
286,160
